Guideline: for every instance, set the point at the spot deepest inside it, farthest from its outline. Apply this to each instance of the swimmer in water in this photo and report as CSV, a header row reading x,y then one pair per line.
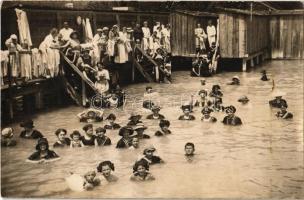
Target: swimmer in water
x,y
134,143
7,135
139,129
101,139
283,113
111,122
186,116
43,154
141,172
90,180
189,149
106,168
125,142
206,115
264,76
29,132
76,140
164,128
235,81
62,141
155,114
149,157
278,101
231,118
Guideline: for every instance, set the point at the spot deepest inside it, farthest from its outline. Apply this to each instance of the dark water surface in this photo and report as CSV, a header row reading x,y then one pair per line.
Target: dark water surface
x,y
263,158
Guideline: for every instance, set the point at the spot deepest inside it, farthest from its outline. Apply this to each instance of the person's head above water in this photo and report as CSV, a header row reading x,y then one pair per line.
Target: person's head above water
x,y
42,144
189,149
61,134
75,135
141,167
230,110
105,168
88,128
126,131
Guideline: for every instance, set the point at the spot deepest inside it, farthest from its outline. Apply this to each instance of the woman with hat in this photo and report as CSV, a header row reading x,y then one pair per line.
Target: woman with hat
x,y
62,141
111,122
264,76
14,58
235,81
149,157
186,116
139,129
278,101
134,119
43,154
89,138
164,128
141,172
216,94
7,137
74,47
202,98
155,114
91,115
283,113
206,115
243,99
149,96
231,118
29,132
97,43
125,142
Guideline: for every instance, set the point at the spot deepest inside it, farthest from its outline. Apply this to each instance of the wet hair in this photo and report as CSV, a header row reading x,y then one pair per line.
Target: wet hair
x,y
87,127
100,129
189,144
105,163
143,163
75,133
149,87
111,116
163,123
59,131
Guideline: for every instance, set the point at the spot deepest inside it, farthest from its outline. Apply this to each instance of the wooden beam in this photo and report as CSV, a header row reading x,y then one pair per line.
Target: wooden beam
x,y
238,11
287,12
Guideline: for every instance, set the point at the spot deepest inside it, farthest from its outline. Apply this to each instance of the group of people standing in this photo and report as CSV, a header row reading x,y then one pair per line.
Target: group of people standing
x,y
207,51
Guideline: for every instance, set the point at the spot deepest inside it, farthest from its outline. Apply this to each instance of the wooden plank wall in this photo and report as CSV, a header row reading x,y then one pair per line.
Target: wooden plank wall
x,y
287,38
182,32
239,35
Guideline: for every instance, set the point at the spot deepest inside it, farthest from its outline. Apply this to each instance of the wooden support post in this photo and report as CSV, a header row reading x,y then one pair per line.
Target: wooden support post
x,y
39,100
83,95
252,62
244,65
258,60
10,92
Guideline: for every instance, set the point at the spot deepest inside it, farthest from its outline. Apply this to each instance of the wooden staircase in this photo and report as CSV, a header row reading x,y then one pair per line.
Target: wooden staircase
x,y
72,72
147,66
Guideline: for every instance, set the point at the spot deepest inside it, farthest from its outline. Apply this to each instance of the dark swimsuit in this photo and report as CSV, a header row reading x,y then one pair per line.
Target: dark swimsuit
x,y
89,142
35,135
36,155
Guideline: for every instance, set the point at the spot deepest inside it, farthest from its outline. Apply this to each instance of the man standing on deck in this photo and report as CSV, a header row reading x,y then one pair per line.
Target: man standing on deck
x,y
211,33
147,35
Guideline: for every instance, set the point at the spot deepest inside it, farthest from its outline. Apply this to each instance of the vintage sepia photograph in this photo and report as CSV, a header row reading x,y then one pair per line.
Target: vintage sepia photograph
x,y
152,99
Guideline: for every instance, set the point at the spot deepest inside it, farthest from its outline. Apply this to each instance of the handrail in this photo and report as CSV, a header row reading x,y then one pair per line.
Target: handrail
x,y
149,58
78,72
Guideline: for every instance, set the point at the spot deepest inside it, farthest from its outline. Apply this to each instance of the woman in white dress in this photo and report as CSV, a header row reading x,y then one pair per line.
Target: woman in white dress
x,y
200,36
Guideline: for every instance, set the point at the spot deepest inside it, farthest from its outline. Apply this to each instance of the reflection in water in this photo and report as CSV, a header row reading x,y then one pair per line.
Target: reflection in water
x,y
261,158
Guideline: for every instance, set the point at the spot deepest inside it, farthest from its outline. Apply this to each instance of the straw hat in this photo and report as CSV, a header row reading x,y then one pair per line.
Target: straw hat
x,y
140,126
13,36
149,148
133,115
125,129
235,77
7,132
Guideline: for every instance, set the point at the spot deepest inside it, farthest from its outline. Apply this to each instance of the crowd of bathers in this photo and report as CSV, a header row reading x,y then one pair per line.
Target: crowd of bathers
x,y
134,130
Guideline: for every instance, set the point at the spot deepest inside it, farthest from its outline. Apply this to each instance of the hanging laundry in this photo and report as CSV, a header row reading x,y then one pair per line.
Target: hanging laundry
x,y
89,33
23,27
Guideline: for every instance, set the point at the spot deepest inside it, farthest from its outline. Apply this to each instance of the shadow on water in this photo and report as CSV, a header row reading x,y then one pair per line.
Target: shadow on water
x,y
263,158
